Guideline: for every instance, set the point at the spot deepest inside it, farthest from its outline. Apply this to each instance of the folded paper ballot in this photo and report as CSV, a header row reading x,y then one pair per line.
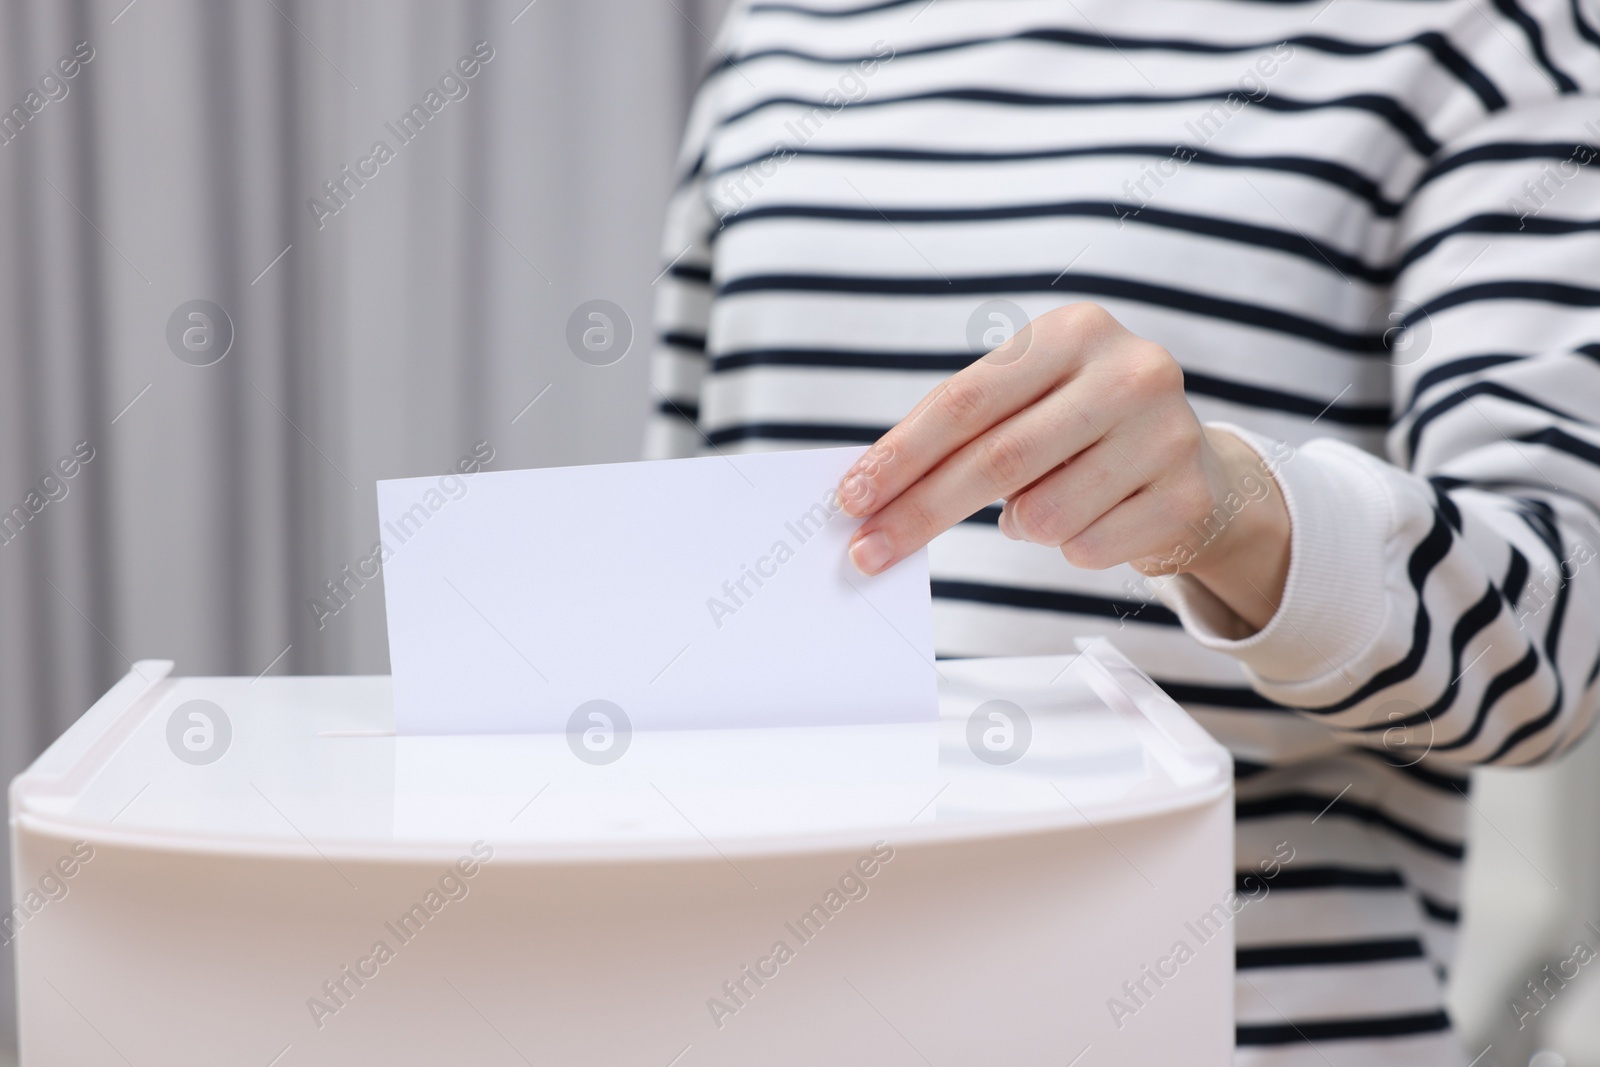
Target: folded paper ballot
x,y
679,594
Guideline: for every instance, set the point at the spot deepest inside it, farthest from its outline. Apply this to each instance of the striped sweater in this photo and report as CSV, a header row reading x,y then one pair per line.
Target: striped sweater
x,y
1369,230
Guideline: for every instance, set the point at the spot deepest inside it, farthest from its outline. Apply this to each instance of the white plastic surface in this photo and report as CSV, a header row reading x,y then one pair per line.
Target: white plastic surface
x,y
215,911
313,768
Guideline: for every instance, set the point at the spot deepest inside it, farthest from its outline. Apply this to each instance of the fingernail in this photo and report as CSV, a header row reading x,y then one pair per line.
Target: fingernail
x,y
871,553
856,494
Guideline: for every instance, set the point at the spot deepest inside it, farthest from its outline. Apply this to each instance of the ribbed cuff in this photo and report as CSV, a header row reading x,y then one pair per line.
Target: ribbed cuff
x,y
1340,516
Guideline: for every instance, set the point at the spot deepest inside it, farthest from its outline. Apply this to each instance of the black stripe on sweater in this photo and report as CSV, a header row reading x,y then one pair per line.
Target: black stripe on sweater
x,y
1538,292
1435,44
1244,770
1332,876
1194,382
1385,108
1053,600
1444,502
1428,554
842,358
1294,243
1497,152
1343,1029
677,339
1208,305
1528,729
1552,641
1511,10
687,410
1235,697
1501,684
1562,441
1471,623
835,433
1586,31
1495,224
1439,911
1328,807
1516,578
1326,171
1454,786
1316,954
688,272
1456,368
828,13
1541,519
1257,396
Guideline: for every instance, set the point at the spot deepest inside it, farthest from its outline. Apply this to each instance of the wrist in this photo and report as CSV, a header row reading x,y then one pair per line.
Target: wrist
x,y
1244,550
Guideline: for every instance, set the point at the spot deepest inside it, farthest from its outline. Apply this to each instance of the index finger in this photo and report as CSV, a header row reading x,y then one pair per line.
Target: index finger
x,y
962,408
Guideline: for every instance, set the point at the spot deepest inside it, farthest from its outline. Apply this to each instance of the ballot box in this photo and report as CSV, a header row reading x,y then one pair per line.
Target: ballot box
x,y
258,871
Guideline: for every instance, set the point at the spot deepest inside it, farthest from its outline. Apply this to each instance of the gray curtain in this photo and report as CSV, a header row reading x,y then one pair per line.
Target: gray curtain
x,y
385,333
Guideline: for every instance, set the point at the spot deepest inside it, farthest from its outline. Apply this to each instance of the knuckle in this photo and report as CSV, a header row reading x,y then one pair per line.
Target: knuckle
x,y
1084,321
1002,458
915,524
1153,372
1076,332
1182,441
1086,314
962,400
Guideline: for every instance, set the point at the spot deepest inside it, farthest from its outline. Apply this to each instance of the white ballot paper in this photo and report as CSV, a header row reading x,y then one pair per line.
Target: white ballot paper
x,y
685,594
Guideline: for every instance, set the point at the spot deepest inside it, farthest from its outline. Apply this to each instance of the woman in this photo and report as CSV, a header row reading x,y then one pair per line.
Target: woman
x,y
1305,417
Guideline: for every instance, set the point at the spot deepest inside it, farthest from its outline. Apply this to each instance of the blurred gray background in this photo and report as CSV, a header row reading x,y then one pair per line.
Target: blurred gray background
x,y
388,339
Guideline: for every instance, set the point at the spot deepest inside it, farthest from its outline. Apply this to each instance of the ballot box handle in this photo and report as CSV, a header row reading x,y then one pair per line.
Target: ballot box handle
x,y
1125,687
75,756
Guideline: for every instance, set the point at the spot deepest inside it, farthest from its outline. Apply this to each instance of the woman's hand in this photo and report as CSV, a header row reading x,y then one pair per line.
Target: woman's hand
x,y
1084,431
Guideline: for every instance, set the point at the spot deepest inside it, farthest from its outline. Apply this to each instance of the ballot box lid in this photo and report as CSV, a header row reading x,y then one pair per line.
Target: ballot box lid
x,y
311,767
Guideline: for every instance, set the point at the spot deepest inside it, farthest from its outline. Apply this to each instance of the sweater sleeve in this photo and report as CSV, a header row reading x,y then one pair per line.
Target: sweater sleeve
x,y
679,362
1447,601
